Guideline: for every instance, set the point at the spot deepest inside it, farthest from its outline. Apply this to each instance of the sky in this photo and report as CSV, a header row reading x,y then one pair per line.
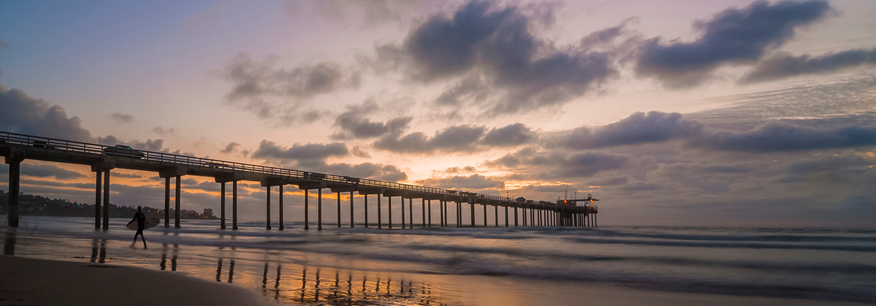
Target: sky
x,y
677,113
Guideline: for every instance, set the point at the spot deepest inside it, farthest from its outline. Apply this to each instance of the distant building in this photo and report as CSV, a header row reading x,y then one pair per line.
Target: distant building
x,y
208,213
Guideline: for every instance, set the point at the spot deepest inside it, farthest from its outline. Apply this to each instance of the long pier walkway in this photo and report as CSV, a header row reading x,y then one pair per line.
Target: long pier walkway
x,y
102,159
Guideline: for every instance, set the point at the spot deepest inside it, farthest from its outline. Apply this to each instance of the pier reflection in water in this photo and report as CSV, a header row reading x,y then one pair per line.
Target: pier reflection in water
x,y
290,283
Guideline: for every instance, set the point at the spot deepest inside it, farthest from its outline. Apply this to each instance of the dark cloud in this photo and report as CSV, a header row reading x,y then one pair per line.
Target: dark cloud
x,y
586,164
839,169
148,145
128,175
121,118
49,171
785,65
510,135
637,129
354,125
452,139
163,132
230,147
733,36
783,136
278,93
311,152
458,169
497,44
24,114
475,181
611,181
554,165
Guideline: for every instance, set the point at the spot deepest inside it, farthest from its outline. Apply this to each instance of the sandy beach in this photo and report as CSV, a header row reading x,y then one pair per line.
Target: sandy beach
x,y
39,282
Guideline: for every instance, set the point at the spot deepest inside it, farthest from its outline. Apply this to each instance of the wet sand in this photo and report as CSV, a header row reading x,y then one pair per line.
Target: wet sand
x,y
37,282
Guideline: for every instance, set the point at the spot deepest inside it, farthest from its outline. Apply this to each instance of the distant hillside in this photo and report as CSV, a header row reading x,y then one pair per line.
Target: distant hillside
x,y
34,205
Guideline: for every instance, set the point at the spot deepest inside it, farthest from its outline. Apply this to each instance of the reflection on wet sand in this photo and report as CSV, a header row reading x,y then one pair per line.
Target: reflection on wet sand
x,y
99,248
174,254
342,287
9,242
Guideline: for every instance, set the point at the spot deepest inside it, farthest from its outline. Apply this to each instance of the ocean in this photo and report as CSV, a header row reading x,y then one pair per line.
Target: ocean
x,y
482,266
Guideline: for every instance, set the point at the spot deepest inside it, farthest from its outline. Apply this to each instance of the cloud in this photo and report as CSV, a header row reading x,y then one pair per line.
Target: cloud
x,y
783,136
785,65
458,169
637,129
554,165
381,172
510,135
49,171
26,115
733,36
354,125
311,152
495,46
475,181
230,147
279,93
3,45
452,139
121,118
164,132
611,181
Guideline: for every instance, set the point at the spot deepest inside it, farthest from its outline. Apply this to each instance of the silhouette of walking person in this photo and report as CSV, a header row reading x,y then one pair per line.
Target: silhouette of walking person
x,y
141,223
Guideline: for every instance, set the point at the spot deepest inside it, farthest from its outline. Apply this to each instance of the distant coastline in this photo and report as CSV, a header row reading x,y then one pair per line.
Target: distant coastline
x,y
35,205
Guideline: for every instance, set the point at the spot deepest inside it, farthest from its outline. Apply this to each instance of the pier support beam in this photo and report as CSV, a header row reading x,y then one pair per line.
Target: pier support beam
x,y
306,211
97,200
365,206
472,214
410,213
13,159
268,207
222,205
234,205
495,215
429,211
516,216
280,207
106,214
390,212
485,214
506,216
319,209
379,211
351,209
178,182
338,195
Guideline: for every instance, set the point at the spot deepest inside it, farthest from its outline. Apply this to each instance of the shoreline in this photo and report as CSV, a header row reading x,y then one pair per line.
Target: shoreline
x,y
28,281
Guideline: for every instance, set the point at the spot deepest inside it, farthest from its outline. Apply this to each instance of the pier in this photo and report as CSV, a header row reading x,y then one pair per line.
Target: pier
x,y
103,159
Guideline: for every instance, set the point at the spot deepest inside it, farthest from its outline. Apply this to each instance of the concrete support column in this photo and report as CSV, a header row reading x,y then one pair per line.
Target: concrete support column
x,y
516,216
595,220
351,209
524,217
410,212
106,225
379,210
446,213
459,214
365,206
402,199
176,202
97,193
338,195
222,205
485,214
423,212
441,214
306,210
167,202
390,212
320,209
14,190
429,211
268,207
234,205
506,216
472,214
280,208
495,215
